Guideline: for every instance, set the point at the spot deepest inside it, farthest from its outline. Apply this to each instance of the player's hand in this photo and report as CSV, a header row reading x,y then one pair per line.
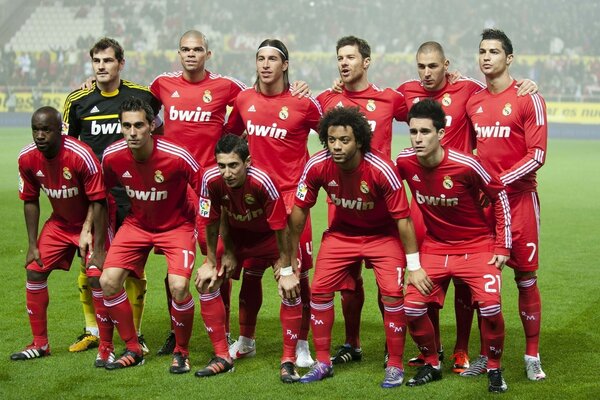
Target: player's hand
x,y
228,265
526,86
289,286
300,89
420,280
33,254
337,85
207,279
85,241
499,260
453,77
97,259
88,84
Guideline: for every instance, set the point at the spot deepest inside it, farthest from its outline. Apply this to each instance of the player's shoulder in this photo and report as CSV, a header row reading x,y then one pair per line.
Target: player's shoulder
x,y
79,95
211,176
410,84
263,181
383,166
81,151
134,87
114,149
319,158
471,83
405,154
176,151
226,80
467,161
27,151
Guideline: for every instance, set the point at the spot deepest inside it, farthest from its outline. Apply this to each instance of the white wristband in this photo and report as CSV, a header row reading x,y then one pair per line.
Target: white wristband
x,y
412,262
286,271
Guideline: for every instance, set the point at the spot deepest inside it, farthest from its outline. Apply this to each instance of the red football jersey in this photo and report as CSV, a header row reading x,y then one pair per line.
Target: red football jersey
x,y
71,179
448,197
194,113
453,98
277,128
380,106
512,135
256,206
158,186
367,200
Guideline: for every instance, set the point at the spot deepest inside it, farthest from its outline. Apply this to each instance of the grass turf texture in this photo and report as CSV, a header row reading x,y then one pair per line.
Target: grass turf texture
x,y
568,282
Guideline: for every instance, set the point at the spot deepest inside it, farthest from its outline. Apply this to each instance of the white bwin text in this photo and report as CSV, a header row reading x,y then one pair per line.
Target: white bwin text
x,y
261,130
196,115
250,215
436,201
63,193
354,204
492,131
147,195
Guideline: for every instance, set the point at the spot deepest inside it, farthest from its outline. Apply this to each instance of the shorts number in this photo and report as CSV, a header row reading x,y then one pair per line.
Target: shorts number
x,y
492,281
188,259
533,250
400,276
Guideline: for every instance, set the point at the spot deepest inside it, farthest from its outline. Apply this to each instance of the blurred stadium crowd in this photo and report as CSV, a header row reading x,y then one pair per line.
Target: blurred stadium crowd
x,y
557,44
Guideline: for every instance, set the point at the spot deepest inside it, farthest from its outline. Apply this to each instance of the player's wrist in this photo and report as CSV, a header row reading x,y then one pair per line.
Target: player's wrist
x,y
286,271
413,262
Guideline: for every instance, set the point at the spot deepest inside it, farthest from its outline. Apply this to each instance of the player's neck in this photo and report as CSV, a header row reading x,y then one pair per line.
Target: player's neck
x,y
143,153
358,86
498,84
195,76
109,87
272,89
432,160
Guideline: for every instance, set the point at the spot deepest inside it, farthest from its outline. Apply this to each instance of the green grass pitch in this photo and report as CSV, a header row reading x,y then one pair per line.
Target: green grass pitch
x,y
568,280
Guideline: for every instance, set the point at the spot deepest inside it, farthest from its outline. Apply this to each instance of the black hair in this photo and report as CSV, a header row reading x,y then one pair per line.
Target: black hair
x,y
347,116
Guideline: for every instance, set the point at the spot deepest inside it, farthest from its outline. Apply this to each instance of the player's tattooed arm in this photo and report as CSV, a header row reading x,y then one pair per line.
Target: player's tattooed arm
x,y
32,218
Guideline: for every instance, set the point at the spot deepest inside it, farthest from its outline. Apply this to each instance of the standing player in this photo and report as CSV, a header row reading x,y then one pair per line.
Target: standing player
x,y
67,171
92,116
380,107
257,228
511,141
447,185
371,222
155,174
277,126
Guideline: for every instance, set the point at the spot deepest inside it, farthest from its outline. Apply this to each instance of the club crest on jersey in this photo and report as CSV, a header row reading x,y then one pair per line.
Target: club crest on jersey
x,y
67,174
446,100
416,100
371,105
364,188
207,97
507,110
204,207
302,190
249,199
284,113
158,176
447,183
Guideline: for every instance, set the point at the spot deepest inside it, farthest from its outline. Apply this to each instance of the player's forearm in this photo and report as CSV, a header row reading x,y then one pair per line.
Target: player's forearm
x,y
407,235
503,228
533,161
31,210
296,224
283,246
212,237
100,222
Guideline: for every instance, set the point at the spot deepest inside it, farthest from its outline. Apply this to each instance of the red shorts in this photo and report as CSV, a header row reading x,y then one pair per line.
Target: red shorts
x,y
473,269
131,245
255,252
339,253
525,228
58,245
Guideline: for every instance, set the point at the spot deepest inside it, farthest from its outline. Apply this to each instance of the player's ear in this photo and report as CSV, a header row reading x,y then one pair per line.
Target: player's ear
x,y
248,161
208,54
509,59
366,62
285,65
121,65
441,133
153,125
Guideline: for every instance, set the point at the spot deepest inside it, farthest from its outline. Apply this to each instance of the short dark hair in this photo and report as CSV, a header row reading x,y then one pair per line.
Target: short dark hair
x,y
53,114
497,34
283,53
196,34
133,104
233,144
431,46
429,109
106,43
363,46
347,116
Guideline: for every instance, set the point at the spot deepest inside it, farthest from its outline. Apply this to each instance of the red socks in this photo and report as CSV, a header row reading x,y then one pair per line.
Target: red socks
x,y
182,317
321,322
37,306
290,314
119,310
213,314
530,310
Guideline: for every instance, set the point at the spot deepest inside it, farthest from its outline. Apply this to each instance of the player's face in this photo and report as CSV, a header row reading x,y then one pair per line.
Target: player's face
x,y
351,65
270,66
46,131
136,130
193,53
232,168
107,69
343,147
493,60
432,69
425,139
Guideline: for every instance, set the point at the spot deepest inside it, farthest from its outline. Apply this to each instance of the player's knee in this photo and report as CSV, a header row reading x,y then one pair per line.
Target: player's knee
x,y
179,289
35,276
521,276
322,297
390,299
110,284
94,282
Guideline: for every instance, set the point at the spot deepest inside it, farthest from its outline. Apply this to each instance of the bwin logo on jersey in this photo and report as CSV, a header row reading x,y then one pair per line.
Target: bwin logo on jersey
x,y
353,204
63,193
492,131
196,115
436,201
270,131
106,129
146,195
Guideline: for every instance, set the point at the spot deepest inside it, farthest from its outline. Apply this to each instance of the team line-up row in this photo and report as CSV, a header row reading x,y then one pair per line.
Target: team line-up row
x,y
469,215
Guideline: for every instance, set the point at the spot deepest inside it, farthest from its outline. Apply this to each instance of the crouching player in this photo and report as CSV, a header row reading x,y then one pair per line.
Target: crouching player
x,y
69,173
371,223
254,227
155,174
447,184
